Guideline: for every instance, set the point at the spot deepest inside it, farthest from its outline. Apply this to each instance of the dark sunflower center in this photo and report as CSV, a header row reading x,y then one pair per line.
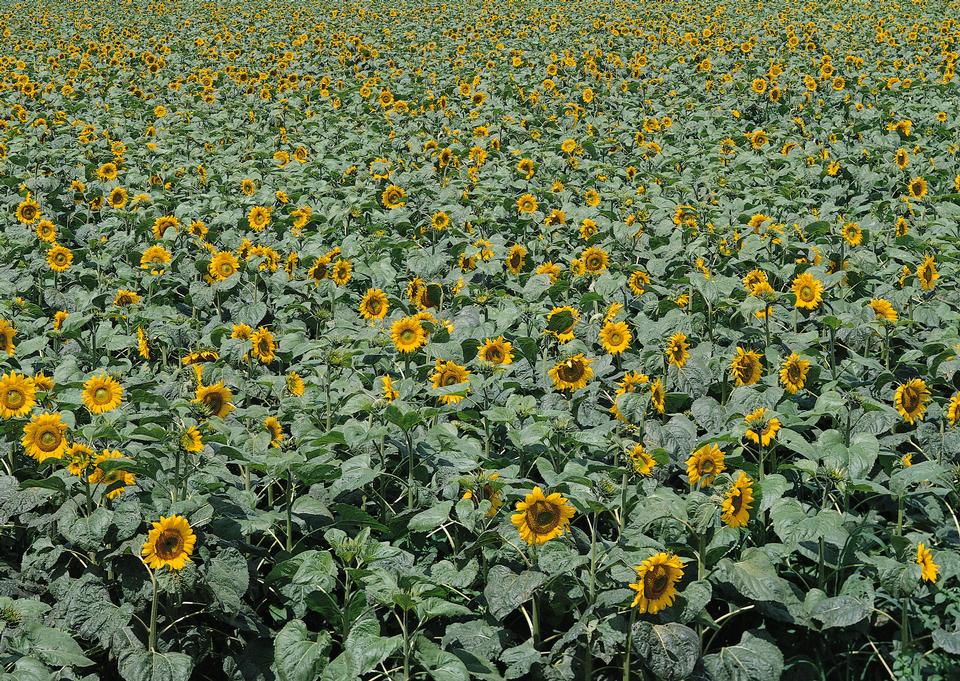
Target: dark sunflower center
x,y
408,335
169,544
15,398
707,466
570,372
543,517
226,268
264,346
449,379
806,293
736,500
214,401
594,262
655,582
101,395
49,440
374,305
494,354
911,399
615,338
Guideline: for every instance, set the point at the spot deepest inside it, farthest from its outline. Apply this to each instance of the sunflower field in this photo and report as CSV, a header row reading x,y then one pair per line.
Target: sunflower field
x,y
479,340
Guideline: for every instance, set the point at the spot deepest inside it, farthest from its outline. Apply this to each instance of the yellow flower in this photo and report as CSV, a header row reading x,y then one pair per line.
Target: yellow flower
x,y
17,395
259,217
393,197
656,584
59,318
793,373
705,464
676,350
342,272
628,384
883,310
917,188
541,518
496,351
735,510
272,424
643,463
615,337
953,409
449,373
7,334
572,373
808,291
594,259
263,347
106,479
125,297
191,441
223,265
745,369
527,204
374,304
408,334
389,392
927,273
515,258
102,394
928,569
761,430
638,282
295,384
911,399
216,398
44,437
80,459
46,231
169,544
59,258
565,334
658,396
28,211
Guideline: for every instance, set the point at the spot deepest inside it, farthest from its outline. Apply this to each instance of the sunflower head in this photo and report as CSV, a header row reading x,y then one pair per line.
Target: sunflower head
x,y
45,437
808,291
541,518
572,373
169,544
642,462
656,584
496,351
112,481
677,350
745,369
705,464
735,510
793,373
215,399
102,394
446,374
374,305
761,429
17,395
615,337
408,334
928,569
911,400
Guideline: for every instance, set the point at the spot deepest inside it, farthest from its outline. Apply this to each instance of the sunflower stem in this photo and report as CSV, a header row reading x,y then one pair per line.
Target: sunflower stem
x,y
904,626
626,655
900,515
701,557
409,471
153,613
289,500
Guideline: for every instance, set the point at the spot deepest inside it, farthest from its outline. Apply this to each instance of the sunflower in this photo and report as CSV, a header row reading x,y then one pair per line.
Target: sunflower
x,y
440,221
259,217
928,569
745,369
735,510
200,356
17,395
565,334
7,334
705,464
852,233
927,273
125,297
295,384
656,585
808,291
241,332
642,462
79,459
917,188
515,258
102,394
389,392
169,544
761,430
527,204
615,337
902,158
263,347
486,487
272,424
28,211
658,396
374,305
108,171
59,258
676,350
43,437
107,479
42,382
496,351
191,441
342,272
793,373
448,373
594,259
572,373
163,223
393,197
223,265
638,282
953,409
541,518
883,310
911,399
628,384
117,198
46,231
216,398
155,259
408,334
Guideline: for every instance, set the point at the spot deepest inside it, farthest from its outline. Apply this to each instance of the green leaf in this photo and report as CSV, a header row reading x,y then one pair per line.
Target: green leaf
x,y
137,664
670,651
441,665
431,518
753,659
228,578
948,641
297,655
506,590
54,647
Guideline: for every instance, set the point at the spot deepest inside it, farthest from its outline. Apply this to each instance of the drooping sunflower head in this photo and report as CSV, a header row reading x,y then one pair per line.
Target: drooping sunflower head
x,y
808,291
125,298
761,428
374,305
676,350
496,351
658,396
572,373
191,440
656,584
408,334
615,337
745,369
155,259
953,409
446,374
541,518
106,478
389,392
169,544
263,346
215,399
102,394
45,437
883,310
735,510
929,569
642,462
7,334
515,258
273,426
911,400
705,464
295,384
17,395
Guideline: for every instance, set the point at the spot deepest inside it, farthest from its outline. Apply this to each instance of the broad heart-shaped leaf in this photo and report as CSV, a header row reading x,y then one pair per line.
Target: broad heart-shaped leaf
x,y
87,532
948,641
28,669
754,577
54,647
753,659
364,649
84,606
297,656
302,575
431,518
228,578
841,611
137,664
440,665
670,651
506,590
